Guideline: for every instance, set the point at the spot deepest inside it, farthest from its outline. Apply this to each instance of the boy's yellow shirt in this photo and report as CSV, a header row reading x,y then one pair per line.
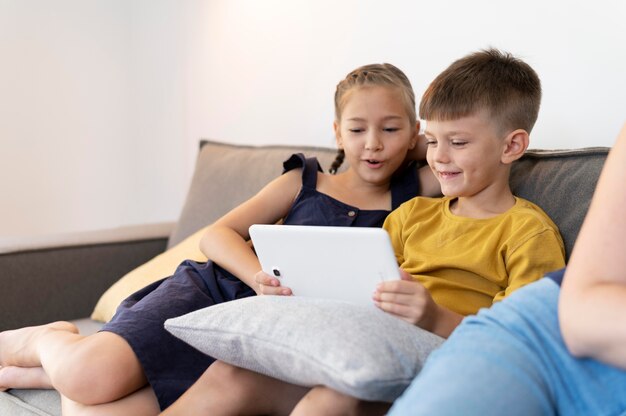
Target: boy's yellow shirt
x,y
468,263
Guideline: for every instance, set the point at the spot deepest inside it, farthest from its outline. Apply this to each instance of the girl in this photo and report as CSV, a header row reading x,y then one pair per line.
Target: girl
x,y
133,365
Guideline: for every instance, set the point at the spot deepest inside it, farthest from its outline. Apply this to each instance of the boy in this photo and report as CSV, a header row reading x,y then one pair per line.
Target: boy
x,y
553,350
459,253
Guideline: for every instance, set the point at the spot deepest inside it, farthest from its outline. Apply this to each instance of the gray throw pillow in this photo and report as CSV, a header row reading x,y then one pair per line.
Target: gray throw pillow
x,y
354,349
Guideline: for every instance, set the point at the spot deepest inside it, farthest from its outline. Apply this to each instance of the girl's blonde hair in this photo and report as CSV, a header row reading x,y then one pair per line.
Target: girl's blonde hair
x,y
380,75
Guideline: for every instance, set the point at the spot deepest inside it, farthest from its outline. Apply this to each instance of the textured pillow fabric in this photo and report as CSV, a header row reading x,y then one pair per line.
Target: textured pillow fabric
x,y
357,350
159,267
226,175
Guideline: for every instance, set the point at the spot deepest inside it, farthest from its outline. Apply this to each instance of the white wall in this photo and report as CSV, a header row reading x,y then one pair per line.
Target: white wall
x,y
267,70
102,102
91,114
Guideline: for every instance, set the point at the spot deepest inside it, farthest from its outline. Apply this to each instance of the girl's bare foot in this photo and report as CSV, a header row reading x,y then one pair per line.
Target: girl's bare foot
x,y
18,347
23,378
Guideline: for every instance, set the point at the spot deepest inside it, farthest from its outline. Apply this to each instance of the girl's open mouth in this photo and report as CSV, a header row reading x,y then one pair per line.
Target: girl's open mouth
x,y
373,163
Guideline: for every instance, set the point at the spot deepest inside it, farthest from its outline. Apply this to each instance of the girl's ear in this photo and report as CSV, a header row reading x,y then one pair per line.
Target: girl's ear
x,y
338,139
515,144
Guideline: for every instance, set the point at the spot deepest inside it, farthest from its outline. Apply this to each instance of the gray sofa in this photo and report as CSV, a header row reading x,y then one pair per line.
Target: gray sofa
x,y
62,277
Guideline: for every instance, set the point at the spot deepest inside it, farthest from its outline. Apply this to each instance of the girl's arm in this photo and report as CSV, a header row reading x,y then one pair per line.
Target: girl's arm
x,y
592,305
226,241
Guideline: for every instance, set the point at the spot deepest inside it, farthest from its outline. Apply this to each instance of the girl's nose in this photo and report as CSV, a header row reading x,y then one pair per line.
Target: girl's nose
x,y
373,142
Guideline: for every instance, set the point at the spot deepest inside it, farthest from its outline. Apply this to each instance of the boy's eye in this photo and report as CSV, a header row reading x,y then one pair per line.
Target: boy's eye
x,y
458,142
390,129
356,130
431,142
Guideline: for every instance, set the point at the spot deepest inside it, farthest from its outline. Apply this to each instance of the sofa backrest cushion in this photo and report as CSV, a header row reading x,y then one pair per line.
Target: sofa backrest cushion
x,y
227,175
559,181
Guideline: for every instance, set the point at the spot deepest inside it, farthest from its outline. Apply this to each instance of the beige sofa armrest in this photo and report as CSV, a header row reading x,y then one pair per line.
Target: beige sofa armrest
x,y
61,277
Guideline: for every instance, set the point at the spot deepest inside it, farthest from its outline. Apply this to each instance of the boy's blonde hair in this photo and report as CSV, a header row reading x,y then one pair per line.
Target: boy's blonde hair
x,y
507,87
373,75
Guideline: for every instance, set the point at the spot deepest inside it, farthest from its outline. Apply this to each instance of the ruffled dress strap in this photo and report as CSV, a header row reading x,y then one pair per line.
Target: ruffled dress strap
x,y
310,166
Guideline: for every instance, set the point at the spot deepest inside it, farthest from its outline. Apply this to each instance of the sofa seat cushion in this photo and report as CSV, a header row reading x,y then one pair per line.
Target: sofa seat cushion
x,y
30,403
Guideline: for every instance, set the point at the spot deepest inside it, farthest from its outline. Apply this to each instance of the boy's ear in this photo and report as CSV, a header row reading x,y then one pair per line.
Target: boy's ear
x,y
337,130
515,144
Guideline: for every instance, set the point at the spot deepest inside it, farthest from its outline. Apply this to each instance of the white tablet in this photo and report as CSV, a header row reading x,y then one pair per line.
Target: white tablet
x,y
344,263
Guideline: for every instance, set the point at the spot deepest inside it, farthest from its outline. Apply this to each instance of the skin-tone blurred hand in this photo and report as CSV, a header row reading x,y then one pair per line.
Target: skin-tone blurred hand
x,y
419,151
269,285
410,300
429,185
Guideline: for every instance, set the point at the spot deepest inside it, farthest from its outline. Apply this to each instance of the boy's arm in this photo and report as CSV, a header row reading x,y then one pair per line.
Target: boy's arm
x,y
592,304
540,254
445,322
410,301
406,298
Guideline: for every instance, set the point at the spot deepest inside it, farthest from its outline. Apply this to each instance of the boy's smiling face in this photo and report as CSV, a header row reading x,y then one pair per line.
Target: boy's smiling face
x,y
466,156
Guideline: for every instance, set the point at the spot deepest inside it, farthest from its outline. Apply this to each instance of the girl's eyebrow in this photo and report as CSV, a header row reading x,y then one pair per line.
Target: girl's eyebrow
x,y
392,117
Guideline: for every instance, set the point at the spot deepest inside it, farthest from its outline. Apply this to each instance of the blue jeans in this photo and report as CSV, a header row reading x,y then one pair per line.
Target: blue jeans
x,y
511,360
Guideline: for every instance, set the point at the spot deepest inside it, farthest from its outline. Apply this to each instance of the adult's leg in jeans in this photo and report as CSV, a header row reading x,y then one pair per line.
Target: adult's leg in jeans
x,y
93,369
486,367
511,359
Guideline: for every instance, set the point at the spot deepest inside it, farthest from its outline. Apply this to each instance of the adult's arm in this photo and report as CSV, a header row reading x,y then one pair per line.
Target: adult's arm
x,y
592,307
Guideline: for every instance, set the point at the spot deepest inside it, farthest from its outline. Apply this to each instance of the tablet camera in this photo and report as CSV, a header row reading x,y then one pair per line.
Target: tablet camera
x,y
276,271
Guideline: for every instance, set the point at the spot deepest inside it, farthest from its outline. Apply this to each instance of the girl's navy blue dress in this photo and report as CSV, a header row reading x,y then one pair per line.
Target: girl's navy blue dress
x,y
172,366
